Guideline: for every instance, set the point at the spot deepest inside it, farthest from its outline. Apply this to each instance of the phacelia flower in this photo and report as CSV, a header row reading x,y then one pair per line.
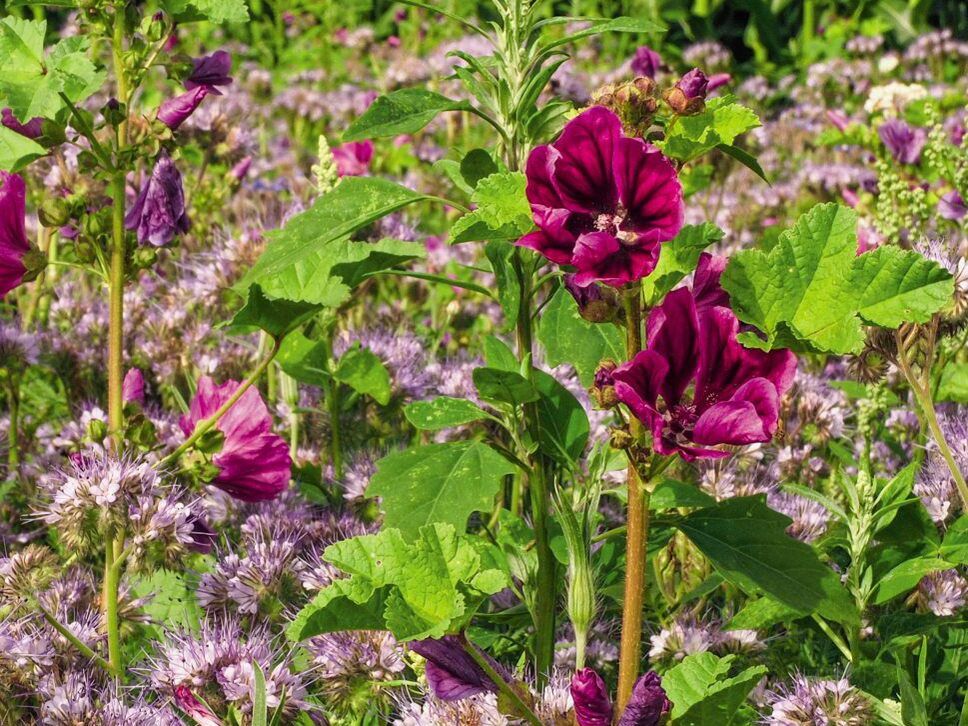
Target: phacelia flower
x,y
210,71
32,129
353,158
451,672
647,706
254,462
943,593
14,246
603,202
902,140
646,62
175,111
806,702
736,390
158,215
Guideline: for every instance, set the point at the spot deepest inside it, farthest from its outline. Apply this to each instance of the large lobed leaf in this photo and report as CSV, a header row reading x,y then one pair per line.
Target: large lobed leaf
x,y
501,210
419,589
702,692
401,112
718,124
437,483
813,292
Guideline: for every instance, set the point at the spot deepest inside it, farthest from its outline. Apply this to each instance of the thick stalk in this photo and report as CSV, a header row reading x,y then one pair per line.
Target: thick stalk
x,y
637,535
333,411
509,692
112,580
538,488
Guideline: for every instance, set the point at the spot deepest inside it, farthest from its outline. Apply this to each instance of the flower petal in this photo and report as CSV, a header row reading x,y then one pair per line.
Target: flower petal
x,y
673,333
649,189
583,174
600,257
750,416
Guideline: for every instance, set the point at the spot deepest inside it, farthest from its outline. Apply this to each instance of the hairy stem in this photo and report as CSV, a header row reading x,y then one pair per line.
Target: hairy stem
x,y
637,535
81,646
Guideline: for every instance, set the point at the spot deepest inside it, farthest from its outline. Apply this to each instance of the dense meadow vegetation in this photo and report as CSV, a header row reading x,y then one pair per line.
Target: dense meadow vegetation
x,y
483,362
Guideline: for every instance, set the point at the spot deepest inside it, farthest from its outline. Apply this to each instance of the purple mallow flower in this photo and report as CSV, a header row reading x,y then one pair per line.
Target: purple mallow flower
x,y
648,705
175,111
158,214
452,673
353,158
902,140
736,390
254,462
952,206
646,62
14,245
603,202
32,129
210,71
133,387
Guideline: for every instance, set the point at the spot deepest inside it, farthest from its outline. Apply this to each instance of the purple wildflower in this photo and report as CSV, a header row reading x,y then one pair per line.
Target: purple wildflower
x,y
175,111
158,215
133,387
451,672
210,71
952,206
902,140
646,62
14,245
32,129
805,702
353,158
590,696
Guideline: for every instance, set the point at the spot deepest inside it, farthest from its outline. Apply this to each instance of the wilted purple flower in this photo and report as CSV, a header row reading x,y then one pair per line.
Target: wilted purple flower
x,y
693,84
254,462
14,245
603,202
595,303
902,140
175,111
210,71
807,702
646,62
193,708
451,672
648,704
353,158
133,387
952,206
737,389
32,129
158,214
593,707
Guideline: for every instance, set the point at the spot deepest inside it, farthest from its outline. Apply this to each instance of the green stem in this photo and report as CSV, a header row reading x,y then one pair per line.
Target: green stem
x,y
636,541
73,639
208,424
13,431
834,638
112,581
333,407
522,710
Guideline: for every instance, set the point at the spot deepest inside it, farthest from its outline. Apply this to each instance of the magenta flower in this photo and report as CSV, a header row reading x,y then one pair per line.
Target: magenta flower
x,y
902,140
451,672
952,206
193,708
158,214
648,705
175,111
838,120
14,245
353,159
706,290
241,169
646,62
210,71
133,387
735,390
254,462
718,80
33,129
603,202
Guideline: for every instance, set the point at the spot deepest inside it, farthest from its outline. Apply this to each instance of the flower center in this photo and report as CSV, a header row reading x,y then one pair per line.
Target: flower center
x,y
611,222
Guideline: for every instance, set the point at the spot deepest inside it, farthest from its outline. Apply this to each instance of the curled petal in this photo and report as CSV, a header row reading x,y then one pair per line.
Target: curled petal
x,y
749,417
600,257
590,696
13,234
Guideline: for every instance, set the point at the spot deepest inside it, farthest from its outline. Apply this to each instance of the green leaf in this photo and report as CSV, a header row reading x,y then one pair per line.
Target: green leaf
x,y
311,259
501,254
762,613
424,588
568,338
501,386
401,112
745,158
702,692
562,422
218,11
747,543
275,317
171,600
260,709
954,547
954,383
811,290
443,412
17,151
623,24
913,710
437,483
906,576
31,81
677,258
719,124
476,165
498,355
672,494
361,369
502,210
304,359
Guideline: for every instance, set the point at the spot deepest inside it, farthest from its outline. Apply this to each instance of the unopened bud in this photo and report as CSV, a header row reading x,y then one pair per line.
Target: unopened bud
x,y
54,212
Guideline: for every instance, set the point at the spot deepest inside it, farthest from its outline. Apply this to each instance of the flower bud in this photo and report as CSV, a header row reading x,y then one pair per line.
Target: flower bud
x,y
596,303
590,696
114,112
603,389
54,212
648,705
688,96
634,102
97,430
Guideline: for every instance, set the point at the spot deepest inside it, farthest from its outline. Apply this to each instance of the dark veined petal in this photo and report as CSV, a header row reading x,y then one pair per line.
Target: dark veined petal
x,y
649,189
582,173
590,696
749,417
600,257
673,333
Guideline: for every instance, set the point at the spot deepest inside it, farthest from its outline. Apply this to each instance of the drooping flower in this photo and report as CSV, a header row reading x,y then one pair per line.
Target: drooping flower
x,y
353,158
133,387
736,390
254,462
688,96
158,214
32,129
902,140
646,62
210,71
175,111
647,705
603,202
718,80
14,245
451,672
193,708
